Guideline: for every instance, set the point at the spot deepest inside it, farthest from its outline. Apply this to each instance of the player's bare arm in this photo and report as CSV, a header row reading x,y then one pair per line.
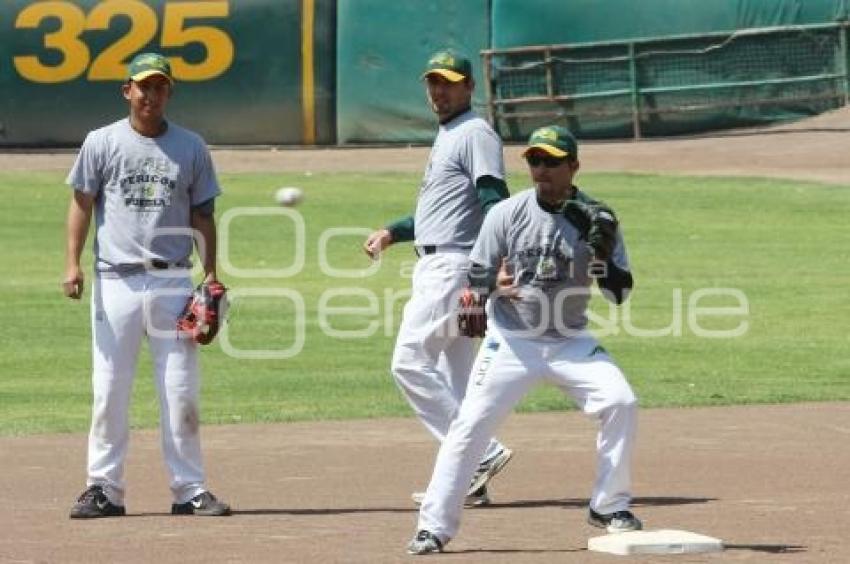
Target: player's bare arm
x,y
399,231
489,280
203,222
505,283
79,218
376,242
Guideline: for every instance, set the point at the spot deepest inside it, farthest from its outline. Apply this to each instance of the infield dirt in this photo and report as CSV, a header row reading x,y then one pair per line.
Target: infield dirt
x,y
768,480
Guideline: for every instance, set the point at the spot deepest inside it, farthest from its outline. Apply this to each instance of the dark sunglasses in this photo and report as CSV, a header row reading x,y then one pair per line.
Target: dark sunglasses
x,y
548,162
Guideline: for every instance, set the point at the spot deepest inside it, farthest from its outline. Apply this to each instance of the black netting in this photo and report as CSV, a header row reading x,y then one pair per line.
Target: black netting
x,y
734,80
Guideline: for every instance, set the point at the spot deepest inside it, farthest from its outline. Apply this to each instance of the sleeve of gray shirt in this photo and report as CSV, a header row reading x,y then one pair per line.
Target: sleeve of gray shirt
x,y
87,173
491,244
483,154
205,186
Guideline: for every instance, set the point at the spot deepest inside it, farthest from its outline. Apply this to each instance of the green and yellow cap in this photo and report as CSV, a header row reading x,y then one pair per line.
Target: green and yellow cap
x,y
554,140
148,64
450,65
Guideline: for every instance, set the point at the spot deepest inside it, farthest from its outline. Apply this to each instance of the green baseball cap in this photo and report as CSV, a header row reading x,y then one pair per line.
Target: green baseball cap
x,y
144,65
450,65
554,140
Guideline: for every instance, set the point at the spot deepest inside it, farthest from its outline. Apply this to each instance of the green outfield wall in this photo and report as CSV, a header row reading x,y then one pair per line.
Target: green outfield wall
x,y
382,47
305,72
540,22
240,67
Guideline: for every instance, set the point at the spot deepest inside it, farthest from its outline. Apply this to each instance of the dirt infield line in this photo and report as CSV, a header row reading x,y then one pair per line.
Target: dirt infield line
x,y
814,149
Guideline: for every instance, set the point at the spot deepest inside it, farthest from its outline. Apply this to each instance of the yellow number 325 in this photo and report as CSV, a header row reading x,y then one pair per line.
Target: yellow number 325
x,y
110,63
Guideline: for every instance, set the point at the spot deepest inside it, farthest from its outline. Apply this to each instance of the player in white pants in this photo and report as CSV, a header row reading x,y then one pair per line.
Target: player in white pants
x,y
549,253
150,184
464,178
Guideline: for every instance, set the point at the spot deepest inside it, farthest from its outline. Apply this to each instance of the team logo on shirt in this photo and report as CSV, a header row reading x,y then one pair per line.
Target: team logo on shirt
x,y
149,187
545,265
547,270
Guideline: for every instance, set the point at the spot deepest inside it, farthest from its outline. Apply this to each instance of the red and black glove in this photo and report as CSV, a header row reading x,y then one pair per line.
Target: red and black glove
x,y
202,316
471,317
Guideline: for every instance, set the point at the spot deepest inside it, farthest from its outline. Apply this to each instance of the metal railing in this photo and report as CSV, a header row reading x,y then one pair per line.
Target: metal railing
x,y
635,81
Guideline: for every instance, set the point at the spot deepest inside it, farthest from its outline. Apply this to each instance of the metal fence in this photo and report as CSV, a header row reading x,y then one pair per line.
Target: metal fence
x,y
669,85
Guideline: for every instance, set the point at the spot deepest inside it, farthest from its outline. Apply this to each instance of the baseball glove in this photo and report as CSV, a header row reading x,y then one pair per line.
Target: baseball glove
x,y
471,317
204,311
597,224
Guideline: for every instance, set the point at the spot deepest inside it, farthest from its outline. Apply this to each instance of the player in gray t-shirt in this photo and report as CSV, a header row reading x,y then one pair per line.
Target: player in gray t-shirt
x,y
149,184
464,178
542,249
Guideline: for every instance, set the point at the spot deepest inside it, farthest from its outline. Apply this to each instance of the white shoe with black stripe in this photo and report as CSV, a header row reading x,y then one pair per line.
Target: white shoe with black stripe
x,y
425,543
489,468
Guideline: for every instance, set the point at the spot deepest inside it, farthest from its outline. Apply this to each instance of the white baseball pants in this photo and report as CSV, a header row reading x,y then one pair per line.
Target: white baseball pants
x,y
506,368
125,310
431,362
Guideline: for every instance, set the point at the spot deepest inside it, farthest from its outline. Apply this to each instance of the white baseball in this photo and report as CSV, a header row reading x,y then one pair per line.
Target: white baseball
x,y
289,196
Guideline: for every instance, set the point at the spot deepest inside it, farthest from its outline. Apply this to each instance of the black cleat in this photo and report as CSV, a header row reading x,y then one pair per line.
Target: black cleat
x,y
617,522
93,503
204,504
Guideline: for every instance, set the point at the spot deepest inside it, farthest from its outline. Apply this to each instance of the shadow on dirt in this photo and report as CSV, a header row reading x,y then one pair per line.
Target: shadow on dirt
x,y
518,504
768,548
327,511
513,551
584,502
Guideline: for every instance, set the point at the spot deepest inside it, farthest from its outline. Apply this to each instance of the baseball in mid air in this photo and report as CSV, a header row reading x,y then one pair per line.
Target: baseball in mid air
x,y
289,196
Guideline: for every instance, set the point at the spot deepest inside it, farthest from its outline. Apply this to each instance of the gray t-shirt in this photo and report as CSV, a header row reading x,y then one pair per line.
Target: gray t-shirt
x,y
145,189
549,263
448,211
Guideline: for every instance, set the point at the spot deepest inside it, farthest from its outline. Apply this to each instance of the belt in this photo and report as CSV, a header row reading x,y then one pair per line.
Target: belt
x,y
422,250
157,264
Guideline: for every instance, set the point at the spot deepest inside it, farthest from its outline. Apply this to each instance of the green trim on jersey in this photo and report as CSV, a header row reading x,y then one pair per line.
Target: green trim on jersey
x,y
491,191
401,230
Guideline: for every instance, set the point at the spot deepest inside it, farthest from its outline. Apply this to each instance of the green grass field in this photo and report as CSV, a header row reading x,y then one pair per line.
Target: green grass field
x,y
781,244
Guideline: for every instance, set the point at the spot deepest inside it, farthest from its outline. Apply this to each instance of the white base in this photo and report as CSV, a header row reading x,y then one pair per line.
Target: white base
x,y
665,541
